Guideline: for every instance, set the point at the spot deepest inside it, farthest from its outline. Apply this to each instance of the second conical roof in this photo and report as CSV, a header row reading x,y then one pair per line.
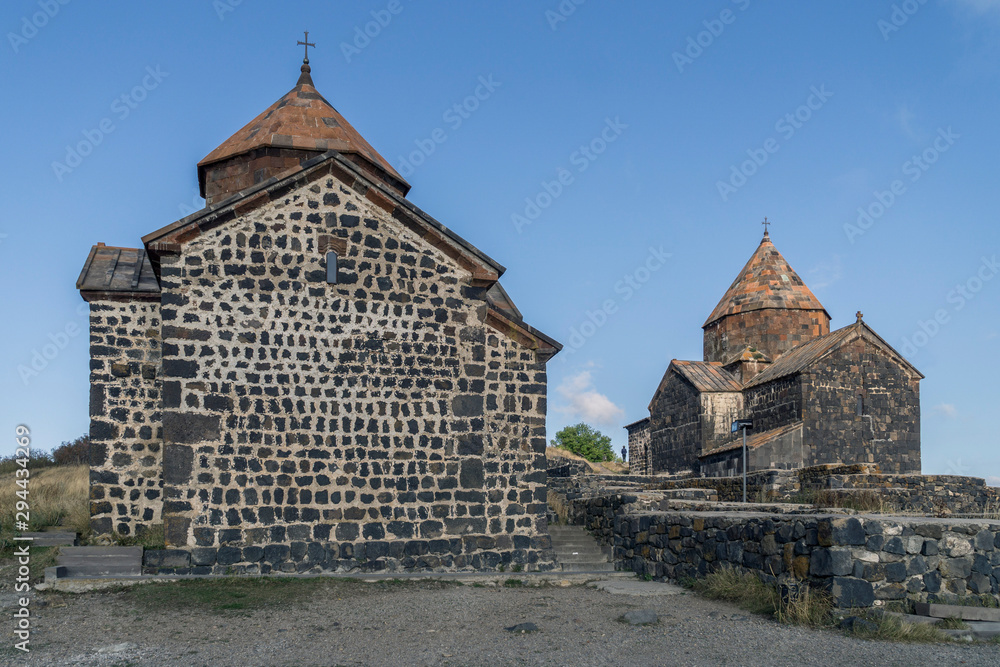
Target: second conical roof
x,y
767,281
301,119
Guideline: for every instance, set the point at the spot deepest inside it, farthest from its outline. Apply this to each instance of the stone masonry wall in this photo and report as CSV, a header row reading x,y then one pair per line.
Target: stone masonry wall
x,y
125,414
861,561
772,331
226,178
719,410
774,404
375,423
783,451
888,431
675,427
639,453
939,495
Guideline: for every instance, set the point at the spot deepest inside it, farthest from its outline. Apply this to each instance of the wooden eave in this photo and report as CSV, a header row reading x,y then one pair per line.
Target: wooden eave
x,y
522,333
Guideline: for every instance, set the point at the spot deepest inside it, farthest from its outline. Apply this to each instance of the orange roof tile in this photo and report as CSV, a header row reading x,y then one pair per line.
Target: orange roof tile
x,y
767,281
301,119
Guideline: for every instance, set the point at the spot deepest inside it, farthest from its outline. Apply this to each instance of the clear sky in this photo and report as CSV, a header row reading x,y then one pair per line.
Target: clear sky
x,y
617,157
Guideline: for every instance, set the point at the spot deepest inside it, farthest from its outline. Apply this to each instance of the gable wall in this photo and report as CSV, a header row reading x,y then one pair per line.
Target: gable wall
x,y
775,403
888,434
675,426
125,404
719,410
376,422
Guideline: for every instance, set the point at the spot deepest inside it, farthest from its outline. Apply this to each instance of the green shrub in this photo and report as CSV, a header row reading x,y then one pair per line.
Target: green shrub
x,y
586,441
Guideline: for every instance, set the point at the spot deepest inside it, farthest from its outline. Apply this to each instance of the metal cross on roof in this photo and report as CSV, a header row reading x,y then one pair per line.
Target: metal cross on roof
x,y
307,44
766,223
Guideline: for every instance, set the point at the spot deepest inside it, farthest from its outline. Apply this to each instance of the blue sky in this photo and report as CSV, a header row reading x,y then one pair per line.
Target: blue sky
x,y
618,160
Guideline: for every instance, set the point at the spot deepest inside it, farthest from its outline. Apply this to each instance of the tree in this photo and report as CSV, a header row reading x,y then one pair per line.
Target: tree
x,y
586,441
73,452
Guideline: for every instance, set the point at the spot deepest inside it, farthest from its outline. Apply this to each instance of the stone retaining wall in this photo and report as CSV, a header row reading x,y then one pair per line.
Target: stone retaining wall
x,y
862,560
939,495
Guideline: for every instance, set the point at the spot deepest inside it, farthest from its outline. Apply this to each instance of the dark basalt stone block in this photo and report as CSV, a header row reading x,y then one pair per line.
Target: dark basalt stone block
x,y
177,464
175,530
190,428
471,474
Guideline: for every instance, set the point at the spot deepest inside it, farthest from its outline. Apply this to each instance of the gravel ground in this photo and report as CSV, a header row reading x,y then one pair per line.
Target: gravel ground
x,y
429,623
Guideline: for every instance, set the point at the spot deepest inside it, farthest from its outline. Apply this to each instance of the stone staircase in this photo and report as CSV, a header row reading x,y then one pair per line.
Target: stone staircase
x,y
51,538
576,550
96,563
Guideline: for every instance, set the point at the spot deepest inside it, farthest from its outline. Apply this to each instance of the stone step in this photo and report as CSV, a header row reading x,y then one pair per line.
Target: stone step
x,y
51,539
91,562
581,555
957,611
575,543
588,567
600,554
566,531
95,552
576,550
984,629
913,618
578,562
592,549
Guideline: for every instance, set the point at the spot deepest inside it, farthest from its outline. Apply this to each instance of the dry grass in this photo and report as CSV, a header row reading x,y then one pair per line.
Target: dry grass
x,y
952,623
992,510
602,468
741,588
891,628
801,606
57,496
806,606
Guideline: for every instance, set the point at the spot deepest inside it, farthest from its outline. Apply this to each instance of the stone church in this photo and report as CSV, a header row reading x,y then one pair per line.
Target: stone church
x,y
312,373
814,396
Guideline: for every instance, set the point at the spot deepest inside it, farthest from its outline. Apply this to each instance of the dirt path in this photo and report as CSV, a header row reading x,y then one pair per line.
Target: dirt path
x,y
324,622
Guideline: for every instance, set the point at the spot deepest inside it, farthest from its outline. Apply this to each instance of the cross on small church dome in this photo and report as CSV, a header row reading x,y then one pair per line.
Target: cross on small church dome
x,y
307,44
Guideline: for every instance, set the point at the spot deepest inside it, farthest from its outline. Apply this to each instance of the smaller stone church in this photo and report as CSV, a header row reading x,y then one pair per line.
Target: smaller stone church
x,y
312,373
815,396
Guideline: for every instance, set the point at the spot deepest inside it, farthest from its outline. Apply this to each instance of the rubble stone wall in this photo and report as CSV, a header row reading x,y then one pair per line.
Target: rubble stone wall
x,y
862,561
125,415
375,423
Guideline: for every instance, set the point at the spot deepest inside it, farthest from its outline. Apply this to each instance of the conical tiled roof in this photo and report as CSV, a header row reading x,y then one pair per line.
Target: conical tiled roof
x,y
767,281
304,120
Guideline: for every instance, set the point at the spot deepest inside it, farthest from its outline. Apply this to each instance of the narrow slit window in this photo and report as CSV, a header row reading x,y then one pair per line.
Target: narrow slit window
x,y
331,267
861,405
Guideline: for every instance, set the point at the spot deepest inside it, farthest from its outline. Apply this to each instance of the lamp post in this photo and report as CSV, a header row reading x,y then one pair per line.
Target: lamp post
x,y
743,425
